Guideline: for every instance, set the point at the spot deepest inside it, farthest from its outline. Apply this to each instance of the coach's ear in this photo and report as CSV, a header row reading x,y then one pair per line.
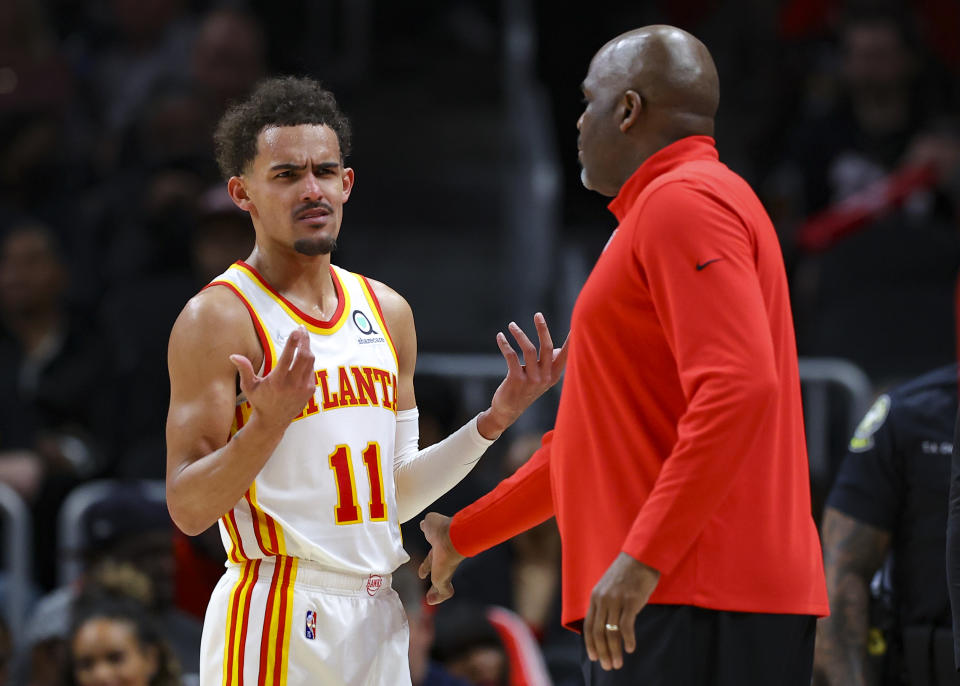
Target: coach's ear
x,y
629,110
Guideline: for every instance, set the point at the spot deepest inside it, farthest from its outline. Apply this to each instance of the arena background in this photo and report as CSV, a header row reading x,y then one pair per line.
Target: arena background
x,y
467,202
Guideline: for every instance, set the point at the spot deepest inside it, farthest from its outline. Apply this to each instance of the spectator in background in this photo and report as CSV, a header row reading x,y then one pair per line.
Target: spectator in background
x,y
229,57
468,646
888,510
35,152
44,656
423,670
883,295
6,651
36,87
151,46
137,222
33,75
115,640
52,427
126,529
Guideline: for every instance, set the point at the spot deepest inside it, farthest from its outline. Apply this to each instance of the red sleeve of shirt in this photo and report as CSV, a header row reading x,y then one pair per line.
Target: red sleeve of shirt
x,y
518,503
698,261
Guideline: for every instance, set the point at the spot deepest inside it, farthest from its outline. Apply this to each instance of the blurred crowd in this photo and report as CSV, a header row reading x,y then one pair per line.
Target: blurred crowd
x,y
844,116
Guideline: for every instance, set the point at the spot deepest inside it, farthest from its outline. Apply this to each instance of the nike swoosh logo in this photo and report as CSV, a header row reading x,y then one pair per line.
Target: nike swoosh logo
x,y
701,266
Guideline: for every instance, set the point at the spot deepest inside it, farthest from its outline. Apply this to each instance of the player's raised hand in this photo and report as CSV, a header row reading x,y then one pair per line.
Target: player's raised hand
x,y
442,560
282,394
526,382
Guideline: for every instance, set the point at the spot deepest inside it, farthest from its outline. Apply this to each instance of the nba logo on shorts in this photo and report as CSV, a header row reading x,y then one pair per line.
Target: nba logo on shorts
x,y
311,628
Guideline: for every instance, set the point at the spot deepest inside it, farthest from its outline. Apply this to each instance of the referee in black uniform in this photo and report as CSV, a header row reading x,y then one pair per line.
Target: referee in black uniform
x,y
887,513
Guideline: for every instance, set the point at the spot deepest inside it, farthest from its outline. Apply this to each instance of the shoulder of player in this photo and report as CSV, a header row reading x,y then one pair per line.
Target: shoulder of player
x,y
213,316
396,310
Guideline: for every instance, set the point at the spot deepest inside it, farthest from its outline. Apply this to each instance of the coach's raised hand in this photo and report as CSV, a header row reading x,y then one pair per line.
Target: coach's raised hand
x,y
282,394
526,382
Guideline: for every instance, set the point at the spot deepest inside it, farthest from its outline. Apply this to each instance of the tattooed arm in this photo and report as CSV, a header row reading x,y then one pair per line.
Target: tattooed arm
x,y
852,551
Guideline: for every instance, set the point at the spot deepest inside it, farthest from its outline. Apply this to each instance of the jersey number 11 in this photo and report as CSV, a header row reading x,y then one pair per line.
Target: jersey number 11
x,y
347,511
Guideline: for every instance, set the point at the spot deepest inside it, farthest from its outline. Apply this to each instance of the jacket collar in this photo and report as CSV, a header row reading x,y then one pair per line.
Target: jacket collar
x,y
664,160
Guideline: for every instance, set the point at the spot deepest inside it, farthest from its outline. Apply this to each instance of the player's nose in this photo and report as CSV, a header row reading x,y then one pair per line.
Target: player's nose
x,y
311,189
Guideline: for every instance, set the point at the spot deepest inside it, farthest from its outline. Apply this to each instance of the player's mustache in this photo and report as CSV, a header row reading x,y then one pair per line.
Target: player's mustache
x,y
308,206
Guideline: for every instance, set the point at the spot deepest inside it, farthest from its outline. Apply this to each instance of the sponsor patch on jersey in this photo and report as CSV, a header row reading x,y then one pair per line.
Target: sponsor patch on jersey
x,y
374,582
311,625
363,324
862,440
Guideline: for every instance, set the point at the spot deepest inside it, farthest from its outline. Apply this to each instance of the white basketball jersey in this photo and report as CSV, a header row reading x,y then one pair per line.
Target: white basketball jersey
x,y
326,494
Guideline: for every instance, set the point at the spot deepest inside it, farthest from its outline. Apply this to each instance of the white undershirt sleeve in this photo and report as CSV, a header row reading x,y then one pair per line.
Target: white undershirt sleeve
x,y
422,476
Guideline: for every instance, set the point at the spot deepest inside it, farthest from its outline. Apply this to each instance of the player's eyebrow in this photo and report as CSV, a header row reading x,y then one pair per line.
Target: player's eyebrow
x,y
285,166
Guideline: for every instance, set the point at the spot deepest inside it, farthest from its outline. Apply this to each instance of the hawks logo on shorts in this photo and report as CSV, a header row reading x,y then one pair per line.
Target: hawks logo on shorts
x,y
311,629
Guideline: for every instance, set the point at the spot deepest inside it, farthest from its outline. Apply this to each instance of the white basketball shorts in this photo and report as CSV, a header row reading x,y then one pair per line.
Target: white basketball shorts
x,y
285,622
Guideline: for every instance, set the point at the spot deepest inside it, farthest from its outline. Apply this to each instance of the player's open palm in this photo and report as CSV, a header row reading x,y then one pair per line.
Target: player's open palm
x,y
541,369
282,394
442,560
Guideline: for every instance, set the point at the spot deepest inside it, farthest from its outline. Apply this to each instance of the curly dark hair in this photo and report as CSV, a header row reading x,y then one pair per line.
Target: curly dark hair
x,y
278,101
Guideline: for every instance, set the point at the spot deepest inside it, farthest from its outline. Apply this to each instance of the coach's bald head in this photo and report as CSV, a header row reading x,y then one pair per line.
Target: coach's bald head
x,y
644,90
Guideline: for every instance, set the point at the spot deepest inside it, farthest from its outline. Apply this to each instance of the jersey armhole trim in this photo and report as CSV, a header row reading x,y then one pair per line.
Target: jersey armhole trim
x,y
378,313
269,353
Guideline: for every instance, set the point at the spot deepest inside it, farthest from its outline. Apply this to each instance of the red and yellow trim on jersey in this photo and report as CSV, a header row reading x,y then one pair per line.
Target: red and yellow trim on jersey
x,y
269,352
236,553
313,324
238,619
275,639
269,534
241,416
378,314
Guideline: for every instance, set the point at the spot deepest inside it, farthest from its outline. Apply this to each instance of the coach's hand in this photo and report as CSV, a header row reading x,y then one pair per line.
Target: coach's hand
x,y
442,560
526,382
282,394
616,600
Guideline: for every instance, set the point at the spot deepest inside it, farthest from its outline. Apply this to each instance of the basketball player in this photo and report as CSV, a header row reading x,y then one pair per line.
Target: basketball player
x,y
313,464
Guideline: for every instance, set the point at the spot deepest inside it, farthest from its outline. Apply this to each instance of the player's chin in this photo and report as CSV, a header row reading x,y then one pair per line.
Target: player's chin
x,y
319,245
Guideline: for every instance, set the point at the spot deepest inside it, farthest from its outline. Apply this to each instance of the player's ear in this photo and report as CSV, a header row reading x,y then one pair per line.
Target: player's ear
x,y
348,179
238,193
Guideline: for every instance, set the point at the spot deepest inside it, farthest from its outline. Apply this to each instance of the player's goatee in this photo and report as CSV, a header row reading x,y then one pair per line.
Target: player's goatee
x,y
315,246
